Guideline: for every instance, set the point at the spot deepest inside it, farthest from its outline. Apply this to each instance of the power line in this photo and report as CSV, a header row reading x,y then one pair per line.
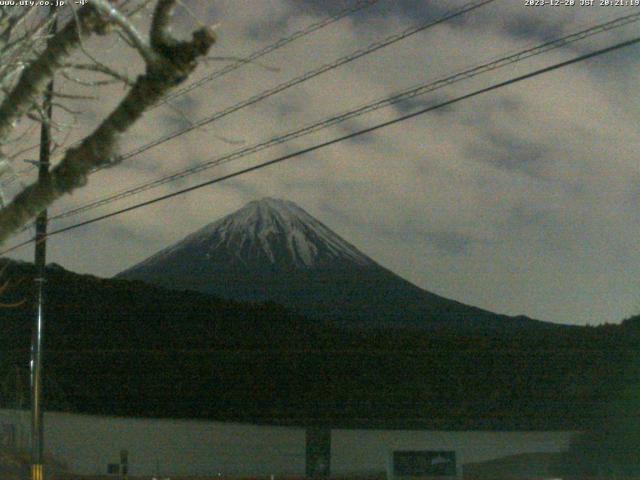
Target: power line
x,y
367,108
306,76
342,138
252,57
360,5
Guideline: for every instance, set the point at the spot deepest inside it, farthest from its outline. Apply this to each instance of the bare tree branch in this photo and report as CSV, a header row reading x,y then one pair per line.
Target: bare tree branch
x,y
3,288
128,29
159,36
35,77
99,67
173,62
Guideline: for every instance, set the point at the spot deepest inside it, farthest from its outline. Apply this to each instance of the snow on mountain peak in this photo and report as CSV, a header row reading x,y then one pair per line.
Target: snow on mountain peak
x,y
273,232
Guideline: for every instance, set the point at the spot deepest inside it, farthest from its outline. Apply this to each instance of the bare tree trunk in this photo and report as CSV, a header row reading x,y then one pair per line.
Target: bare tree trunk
x,y
168,63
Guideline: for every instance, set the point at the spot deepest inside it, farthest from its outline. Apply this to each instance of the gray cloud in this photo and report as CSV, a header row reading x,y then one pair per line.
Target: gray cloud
x,y
451,243
446,242
521,201
268,29
510,152
530,27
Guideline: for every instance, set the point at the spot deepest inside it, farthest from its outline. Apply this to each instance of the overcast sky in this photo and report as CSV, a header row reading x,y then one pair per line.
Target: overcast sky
x,y
520,201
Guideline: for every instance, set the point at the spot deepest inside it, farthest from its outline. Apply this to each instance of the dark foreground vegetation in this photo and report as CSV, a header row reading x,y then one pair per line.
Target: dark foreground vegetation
x,y
125,348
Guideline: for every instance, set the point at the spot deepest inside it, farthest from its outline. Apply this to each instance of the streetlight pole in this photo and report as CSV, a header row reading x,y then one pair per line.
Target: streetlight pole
x,y
37,427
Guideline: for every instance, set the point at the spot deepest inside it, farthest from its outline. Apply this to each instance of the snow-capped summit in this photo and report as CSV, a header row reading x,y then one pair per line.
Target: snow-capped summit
x,y
273,250
265,234
278,232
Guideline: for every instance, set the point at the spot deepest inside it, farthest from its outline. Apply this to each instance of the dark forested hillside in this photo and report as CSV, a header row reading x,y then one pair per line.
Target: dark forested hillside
x,y
126,348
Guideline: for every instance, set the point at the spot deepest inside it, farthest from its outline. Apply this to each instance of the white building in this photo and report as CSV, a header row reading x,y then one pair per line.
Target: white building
x,y
89,444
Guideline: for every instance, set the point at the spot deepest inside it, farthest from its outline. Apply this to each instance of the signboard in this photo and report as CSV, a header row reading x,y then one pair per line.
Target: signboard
x,y
424,463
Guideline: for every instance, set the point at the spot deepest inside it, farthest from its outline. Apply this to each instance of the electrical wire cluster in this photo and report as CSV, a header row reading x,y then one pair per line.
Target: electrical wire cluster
x,y
394,99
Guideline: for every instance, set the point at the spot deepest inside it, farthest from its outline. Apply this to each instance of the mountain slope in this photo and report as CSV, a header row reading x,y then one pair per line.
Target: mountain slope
x,y
274,250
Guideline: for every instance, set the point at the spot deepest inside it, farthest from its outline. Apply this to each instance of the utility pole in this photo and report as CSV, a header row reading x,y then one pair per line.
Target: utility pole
x,y
37,427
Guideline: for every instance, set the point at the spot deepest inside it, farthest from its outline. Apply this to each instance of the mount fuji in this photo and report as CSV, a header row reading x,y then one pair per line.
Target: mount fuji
x,y
273,250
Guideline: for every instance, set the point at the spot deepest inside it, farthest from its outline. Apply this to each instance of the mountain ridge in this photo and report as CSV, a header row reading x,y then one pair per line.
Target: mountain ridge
x,y
273,250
